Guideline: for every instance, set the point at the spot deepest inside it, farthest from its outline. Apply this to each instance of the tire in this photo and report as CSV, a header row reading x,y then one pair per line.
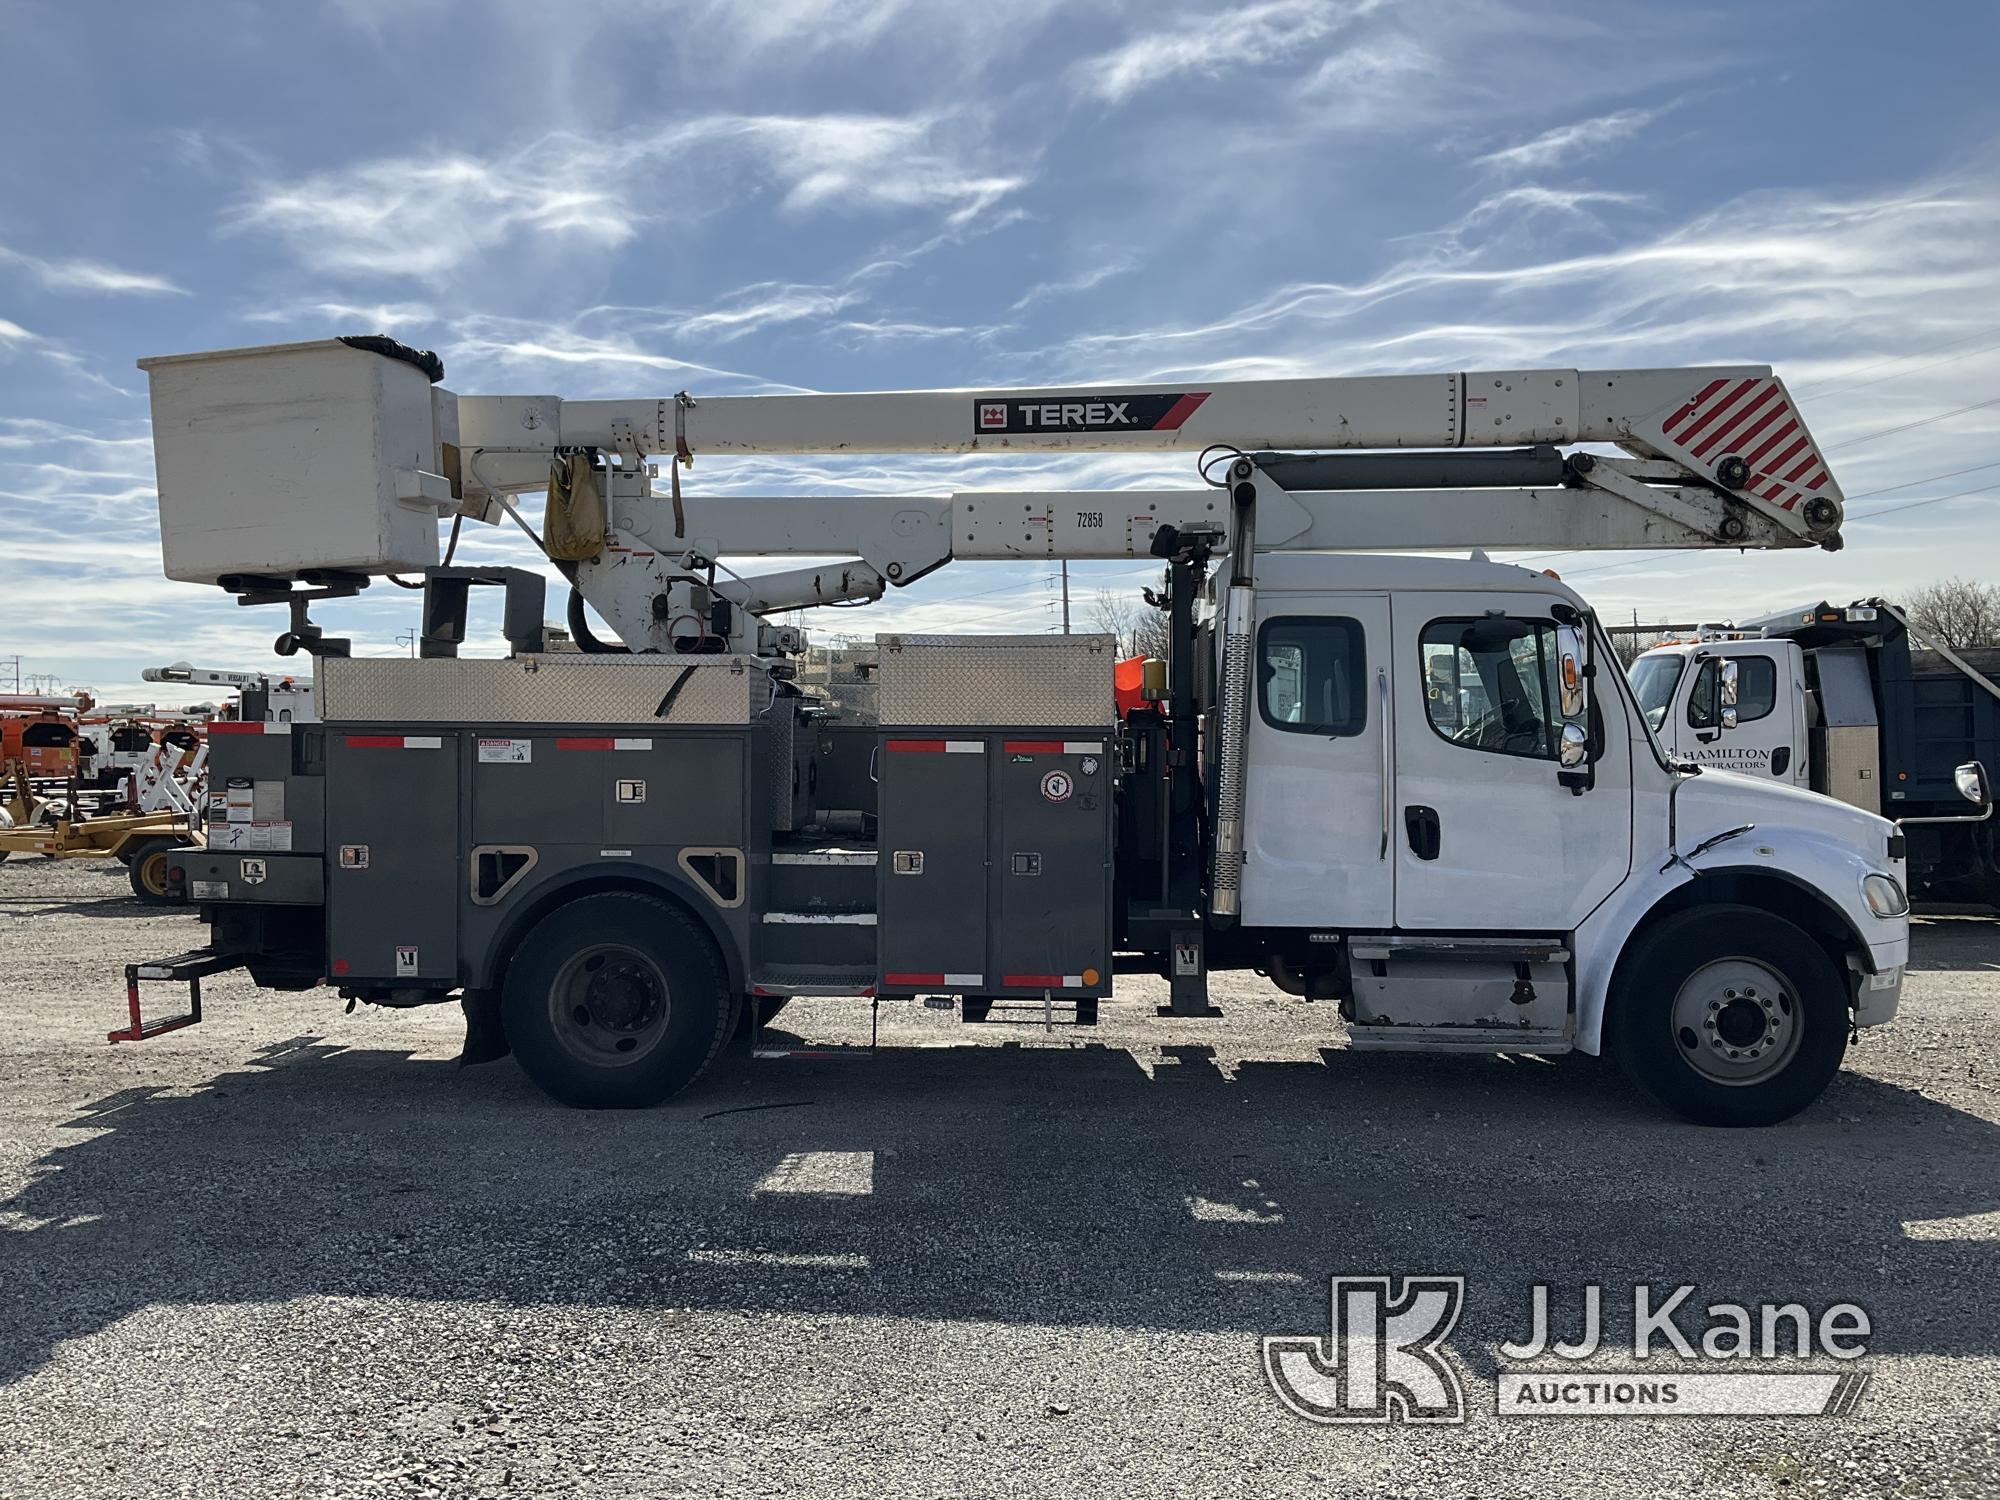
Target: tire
x,y
757,1010
1728,1016
617,1001
147,868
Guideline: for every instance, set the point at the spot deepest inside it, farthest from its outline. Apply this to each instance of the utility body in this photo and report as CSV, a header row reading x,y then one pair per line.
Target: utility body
x,y
1415,788
1854,702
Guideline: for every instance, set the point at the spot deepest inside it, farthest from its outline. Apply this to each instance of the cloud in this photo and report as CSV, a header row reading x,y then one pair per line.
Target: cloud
x,y
428,216
1565,143
90,276
1215,44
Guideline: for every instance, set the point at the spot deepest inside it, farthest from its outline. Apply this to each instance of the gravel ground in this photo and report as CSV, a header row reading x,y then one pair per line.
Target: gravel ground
x,y
296,1252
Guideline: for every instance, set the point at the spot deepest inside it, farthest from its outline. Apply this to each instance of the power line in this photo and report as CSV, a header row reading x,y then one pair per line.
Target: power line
x,y
1956,411
1825,390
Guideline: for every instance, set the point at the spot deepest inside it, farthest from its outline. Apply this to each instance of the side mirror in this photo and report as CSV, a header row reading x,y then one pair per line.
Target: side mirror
x,y
1569,670
1575,747
1726,684
1973,784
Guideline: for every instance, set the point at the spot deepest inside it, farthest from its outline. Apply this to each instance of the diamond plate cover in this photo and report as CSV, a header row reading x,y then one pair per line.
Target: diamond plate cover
x,y
997,681
566,688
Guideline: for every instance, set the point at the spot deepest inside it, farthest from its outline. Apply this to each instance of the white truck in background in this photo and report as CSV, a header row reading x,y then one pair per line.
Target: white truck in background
x,y
1415,787
1857,703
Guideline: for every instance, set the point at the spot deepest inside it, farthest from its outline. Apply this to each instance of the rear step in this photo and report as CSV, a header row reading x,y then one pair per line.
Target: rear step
x,y
190,967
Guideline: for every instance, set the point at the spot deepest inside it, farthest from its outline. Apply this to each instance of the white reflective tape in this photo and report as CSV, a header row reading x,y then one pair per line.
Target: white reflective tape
x,y
972,979
1083,747
965,747
422,742
631,744
1073,981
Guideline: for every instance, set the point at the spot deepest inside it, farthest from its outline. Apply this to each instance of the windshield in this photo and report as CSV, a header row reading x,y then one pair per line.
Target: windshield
x,y
1654,679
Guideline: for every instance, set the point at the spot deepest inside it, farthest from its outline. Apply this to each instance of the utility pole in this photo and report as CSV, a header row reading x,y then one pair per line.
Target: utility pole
x,y
15,663
1065,588
411,637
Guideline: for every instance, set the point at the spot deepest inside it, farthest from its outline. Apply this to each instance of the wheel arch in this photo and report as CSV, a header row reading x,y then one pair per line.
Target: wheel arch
x,y
595,880
1774,891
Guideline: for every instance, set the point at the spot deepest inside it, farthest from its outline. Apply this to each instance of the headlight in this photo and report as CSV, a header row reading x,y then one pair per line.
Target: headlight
x,y
1884,895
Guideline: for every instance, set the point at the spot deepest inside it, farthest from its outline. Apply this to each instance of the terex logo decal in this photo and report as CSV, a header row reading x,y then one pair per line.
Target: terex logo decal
x,y
1152,412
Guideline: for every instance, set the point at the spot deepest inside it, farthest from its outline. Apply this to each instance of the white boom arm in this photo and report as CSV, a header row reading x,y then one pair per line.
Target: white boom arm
x,y
269,458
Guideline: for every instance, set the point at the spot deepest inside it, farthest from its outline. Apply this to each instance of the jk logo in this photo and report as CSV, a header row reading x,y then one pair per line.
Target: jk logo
x,y
1380,1360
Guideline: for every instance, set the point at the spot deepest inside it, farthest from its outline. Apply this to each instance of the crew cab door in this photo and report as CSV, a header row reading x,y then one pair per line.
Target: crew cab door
x,y
1486,836
1316,798
1765,736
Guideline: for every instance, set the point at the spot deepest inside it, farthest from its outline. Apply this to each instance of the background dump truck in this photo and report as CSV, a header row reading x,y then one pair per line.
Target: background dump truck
x,y
1416,788
1842,699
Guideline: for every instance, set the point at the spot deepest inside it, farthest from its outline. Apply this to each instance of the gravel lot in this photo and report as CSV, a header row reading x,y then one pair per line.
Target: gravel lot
x,y
296,1252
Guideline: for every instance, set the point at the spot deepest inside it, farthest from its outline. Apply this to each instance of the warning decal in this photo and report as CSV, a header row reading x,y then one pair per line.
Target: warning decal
x,y
506,752
1057,785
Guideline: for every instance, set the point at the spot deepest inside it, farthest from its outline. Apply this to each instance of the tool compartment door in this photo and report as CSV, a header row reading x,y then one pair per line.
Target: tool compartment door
x,y
393,877
932,865
1051,867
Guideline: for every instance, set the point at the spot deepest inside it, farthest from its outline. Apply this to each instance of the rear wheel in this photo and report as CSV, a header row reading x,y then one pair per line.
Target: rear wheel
x,y
617,1001
147,864
1729,1016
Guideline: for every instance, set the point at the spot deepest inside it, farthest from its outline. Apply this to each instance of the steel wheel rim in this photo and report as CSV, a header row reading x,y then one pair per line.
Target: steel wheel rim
x,y
153,873
609,1005
1736,1021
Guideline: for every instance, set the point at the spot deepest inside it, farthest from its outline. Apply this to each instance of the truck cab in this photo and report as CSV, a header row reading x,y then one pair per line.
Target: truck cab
x,y
1757,726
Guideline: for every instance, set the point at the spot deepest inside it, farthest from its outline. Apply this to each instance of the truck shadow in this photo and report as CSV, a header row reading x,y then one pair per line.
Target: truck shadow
x,y
1018,1184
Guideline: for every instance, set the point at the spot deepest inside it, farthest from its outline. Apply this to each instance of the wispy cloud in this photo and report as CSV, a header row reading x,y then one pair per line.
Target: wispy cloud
x,y
1215,44
89,276
1566,143
428,216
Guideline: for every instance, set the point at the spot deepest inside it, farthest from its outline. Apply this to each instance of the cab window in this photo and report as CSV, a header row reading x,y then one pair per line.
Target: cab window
x,y
1490,684
1311,675
1756,691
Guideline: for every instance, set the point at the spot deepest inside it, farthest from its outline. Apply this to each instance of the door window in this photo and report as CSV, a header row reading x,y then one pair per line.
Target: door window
x,y
1311,675
1490,684
1756,691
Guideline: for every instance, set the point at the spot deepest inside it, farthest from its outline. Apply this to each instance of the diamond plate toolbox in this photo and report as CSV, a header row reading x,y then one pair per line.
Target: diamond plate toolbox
x,y
1000,681
553,689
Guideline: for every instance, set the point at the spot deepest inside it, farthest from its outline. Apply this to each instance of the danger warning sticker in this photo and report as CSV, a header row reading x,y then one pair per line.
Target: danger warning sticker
x,y
1057,785
1152,411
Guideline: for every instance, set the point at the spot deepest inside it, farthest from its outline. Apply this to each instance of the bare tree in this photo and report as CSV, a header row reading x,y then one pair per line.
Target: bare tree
x,y
1958,611
1141,629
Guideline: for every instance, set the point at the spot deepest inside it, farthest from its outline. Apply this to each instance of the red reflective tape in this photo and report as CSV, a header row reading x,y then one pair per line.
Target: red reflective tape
x,y
913,979
586,744
1743,414
1771,442
374,742
936,746
1817,480
1749,434
1686,434
1774,465
1693,403
234,726
1034,747
339,967
1180,411
1805,463
1032,981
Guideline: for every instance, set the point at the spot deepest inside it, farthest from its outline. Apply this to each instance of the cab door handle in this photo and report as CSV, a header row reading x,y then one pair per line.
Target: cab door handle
x,y
1426,833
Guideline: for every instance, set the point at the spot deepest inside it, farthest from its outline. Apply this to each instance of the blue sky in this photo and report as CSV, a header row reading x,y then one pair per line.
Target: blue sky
x,y
864,194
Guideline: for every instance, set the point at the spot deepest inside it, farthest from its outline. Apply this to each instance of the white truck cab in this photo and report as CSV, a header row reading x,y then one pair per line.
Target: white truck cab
x,y
1681,688
1408,790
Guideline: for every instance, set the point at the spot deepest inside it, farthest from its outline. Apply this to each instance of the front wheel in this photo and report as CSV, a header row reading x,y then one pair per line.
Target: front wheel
x,y
1729,1016
616,1001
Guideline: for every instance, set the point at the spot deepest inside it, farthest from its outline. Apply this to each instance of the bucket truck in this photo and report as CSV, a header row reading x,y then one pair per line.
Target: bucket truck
x,y
1415,788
